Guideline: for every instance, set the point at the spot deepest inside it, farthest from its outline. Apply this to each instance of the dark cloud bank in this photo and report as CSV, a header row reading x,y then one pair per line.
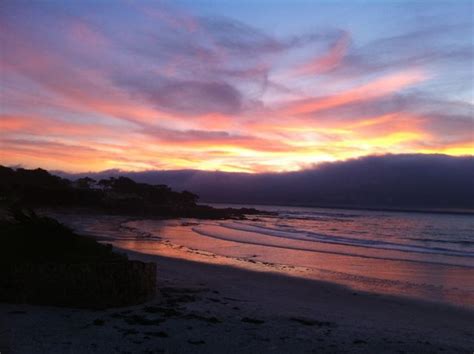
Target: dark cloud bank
x,y
390,181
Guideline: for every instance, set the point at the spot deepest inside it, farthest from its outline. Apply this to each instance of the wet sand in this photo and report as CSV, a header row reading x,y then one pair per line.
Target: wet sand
x,y
211,308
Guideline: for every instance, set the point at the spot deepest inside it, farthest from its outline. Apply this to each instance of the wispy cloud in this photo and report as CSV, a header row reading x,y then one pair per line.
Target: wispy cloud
x,y
95,85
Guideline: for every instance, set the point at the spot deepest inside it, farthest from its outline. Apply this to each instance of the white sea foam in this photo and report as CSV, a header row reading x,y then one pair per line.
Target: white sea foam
x,y
295,234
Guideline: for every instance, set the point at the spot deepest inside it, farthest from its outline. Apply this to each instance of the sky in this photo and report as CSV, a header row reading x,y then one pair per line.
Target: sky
x,y
244,86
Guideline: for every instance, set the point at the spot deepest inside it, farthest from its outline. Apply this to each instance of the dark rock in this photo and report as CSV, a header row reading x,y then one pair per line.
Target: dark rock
x,y
167,312
143,321
311,322
159,334
196,342
252,320
359,341
193,316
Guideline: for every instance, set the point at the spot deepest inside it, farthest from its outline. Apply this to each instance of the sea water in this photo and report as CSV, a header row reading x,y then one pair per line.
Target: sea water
x,y
429,256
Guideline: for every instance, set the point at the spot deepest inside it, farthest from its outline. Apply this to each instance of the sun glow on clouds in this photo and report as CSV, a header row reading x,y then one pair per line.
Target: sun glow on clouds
x,y
156,87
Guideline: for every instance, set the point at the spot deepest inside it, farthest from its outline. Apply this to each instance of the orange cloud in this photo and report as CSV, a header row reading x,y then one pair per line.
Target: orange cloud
x,y
181,91
38,125
456,149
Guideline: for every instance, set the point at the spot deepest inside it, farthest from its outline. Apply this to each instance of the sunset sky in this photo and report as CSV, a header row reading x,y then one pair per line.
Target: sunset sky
x,y
250,86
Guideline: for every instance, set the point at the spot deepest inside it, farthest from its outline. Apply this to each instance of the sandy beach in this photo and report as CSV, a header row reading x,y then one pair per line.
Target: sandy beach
x,y
209,308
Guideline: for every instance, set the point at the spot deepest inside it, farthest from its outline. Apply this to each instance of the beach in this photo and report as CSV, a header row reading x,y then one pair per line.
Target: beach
x,y
429,257
206,308
210,302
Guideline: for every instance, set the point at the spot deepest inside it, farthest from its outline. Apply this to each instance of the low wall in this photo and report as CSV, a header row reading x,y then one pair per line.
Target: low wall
x,y
98,285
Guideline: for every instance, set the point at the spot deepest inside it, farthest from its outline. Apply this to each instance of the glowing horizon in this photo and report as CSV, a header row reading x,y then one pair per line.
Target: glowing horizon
x,y
91,86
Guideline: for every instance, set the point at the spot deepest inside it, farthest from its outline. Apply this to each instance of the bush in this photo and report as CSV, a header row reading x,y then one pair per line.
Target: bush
x,y
26,237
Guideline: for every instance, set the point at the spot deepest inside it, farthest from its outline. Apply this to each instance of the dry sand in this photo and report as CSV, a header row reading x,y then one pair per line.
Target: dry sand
x,y
208,308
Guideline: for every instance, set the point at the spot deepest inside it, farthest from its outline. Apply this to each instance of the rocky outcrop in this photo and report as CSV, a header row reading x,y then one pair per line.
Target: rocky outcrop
x,y
85,285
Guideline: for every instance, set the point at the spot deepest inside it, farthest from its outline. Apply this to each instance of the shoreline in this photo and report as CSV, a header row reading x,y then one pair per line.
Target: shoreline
x,y
363,272
349,207
383,275
203,307
205,274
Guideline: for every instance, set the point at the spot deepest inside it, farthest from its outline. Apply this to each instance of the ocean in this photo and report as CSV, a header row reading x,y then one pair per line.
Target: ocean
x,y
418,255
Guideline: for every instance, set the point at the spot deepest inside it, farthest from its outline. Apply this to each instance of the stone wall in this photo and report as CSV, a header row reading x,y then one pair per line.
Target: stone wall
x,y
95,285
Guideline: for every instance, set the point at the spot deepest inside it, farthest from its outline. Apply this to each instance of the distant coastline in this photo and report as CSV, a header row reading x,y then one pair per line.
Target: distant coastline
x,y
351,207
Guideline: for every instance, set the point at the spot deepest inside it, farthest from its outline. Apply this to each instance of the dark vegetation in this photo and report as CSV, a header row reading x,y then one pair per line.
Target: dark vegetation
x,y
43,262
29,238
38,188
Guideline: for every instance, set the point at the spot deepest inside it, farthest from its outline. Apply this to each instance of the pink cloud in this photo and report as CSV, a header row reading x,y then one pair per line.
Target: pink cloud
x,y
327,61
